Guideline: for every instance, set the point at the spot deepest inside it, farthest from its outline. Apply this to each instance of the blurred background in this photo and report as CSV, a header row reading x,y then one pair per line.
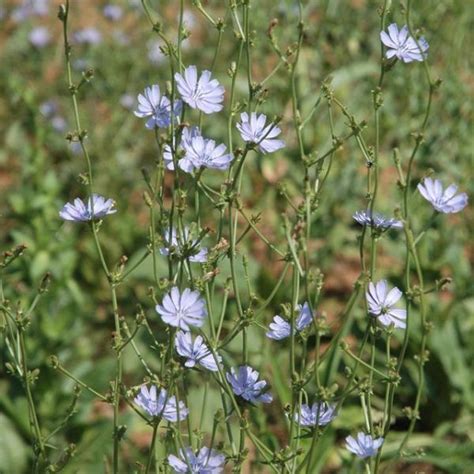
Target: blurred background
x,y
40,170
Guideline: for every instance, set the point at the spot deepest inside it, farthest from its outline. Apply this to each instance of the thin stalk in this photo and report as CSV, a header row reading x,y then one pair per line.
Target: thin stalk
x,y
412,253
73,89
151,455
29,396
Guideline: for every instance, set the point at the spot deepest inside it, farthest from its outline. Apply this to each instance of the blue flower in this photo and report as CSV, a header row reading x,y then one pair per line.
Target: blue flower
x,y
39,7
75,148
402,45
163,405
182,310
198,152
80,212
155,54
39,36
189,19
20,14
112,12
187,135
245,384
30,8
201,152
127,101
207,461
253,130
381,304
79,64
48,108
445,201
152,104
376,220
88,36
195,352
280,328
59,123
205,94
184,247
322,413
364,446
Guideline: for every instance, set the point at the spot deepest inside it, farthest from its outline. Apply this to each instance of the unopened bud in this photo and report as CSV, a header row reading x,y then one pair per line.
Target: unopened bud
x,y
62,12
53,361
147,199
44,284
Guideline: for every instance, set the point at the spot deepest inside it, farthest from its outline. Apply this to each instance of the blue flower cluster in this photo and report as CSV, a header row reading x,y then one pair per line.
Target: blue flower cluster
x,y
184,310
194,151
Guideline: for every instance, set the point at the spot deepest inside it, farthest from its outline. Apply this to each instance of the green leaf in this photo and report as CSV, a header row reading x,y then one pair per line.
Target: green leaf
x,y
14,453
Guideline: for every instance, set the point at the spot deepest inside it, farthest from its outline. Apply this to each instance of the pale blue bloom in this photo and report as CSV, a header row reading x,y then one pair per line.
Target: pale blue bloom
x,y
88,36
154,52
127,101
48,108
79,64
39,37
161,405
322,413
378,221
205,461
189,19
75,148
183,247
59,123
280,328
156,106
201,152
39,7
195,352
381,304
187,135
112,12
245,384
20,14
253,130
182,310
205,94
30,8
445,201
402,45
364,446
80,212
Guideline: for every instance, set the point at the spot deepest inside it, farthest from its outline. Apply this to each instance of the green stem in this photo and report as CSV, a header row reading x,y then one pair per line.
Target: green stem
x,y
31,404
118,382
81,136
411,252
151,455
80,382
